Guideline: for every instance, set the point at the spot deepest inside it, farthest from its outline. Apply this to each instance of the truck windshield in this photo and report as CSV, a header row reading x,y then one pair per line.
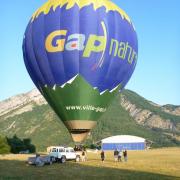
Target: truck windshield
x,y
53,150
61,150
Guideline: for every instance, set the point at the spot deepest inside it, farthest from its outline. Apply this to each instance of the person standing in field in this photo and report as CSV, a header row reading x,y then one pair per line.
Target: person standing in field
x,y
125,155
116,155
102,156
83,156
119,156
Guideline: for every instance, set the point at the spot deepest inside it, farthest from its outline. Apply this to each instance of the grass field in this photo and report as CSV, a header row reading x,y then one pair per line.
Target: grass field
x,y
150,164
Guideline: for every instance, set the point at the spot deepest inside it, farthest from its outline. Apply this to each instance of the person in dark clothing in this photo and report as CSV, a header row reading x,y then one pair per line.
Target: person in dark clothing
x,y
102,156
125,155
116,155
83,156
119,156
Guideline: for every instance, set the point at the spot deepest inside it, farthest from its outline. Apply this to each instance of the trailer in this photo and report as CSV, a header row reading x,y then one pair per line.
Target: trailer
x,y
40,160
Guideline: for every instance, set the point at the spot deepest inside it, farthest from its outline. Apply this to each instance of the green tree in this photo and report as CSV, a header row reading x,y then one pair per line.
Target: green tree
x,y
18,145
4,147
29,146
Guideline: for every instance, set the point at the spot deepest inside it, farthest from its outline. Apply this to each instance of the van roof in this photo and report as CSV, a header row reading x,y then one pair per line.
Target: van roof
x,y
60,147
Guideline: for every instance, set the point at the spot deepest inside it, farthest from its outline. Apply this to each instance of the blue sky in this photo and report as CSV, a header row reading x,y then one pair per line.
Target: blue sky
x,y
157,75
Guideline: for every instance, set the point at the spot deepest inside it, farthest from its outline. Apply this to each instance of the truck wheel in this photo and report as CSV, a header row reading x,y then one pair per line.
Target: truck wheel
x,y
63,159
77,158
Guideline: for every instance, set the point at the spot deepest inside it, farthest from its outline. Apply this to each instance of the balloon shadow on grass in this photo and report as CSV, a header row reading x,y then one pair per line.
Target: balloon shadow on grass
x,y
12,169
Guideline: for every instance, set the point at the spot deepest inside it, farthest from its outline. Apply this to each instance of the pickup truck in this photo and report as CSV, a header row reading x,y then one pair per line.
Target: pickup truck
x,y
62,154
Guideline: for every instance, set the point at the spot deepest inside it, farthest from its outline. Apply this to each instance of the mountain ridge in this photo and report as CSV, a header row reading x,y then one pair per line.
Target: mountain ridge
x,y
35,95
29,115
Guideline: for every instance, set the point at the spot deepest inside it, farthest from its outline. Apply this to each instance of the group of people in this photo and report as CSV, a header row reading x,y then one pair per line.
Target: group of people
x,y
117,155
81,149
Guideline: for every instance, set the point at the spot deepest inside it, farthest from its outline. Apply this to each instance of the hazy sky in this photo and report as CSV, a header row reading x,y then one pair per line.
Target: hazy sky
x,y
157,22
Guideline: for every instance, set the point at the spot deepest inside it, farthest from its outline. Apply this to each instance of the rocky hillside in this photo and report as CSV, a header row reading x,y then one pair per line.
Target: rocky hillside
x,y
28,115
21,103
175,110
146,117
149,114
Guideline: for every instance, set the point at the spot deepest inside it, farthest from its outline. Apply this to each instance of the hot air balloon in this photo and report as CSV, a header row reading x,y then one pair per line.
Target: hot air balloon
x,y
80,54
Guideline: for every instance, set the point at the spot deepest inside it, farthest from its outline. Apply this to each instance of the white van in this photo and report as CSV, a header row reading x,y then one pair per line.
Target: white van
x,y
62,154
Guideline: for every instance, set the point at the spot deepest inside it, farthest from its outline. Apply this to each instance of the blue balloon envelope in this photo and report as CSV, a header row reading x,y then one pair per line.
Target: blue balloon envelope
x,y
80,54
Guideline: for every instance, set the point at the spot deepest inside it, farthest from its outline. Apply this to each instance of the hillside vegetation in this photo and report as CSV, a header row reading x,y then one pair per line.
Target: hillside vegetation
x,y
44,128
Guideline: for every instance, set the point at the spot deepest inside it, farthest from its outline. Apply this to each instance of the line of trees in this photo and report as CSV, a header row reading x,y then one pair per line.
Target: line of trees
x,y
16,145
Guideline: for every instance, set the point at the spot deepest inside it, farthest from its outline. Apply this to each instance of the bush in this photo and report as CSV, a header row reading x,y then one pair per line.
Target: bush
x,y
4,147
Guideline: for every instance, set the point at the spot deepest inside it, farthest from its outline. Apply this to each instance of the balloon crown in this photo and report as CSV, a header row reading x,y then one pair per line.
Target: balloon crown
x,y
109,6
